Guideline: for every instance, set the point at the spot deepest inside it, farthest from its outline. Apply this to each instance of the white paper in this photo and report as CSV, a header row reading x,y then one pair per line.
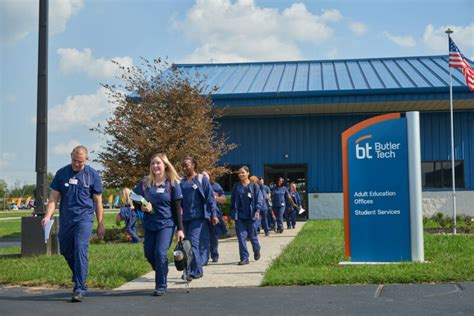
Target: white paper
x,y
47,230
301,211
138,198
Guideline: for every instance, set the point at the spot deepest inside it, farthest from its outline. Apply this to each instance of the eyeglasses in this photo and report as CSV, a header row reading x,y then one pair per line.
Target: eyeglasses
x,y
79,162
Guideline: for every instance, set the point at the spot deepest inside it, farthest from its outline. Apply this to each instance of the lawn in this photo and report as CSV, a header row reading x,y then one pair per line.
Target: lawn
x,y
110,265
313,257
11,228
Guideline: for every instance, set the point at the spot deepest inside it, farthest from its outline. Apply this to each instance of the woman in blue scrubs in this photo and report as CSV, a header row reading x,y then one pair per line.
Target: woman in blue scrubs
x,y
292,210
163,212
128,215
199,208
246,203
280,195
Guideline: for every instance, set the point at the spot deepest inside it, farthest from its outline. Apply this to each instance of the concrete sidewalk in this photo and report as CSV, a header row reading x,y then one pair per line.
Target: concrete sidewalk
x,y
226,272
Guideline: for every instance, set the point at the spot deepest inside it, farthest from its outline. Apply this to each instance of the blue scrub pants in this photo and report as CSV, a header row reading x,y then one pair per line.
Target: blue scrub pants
x,y
156,247
279,212
271,221
291,217
130,229
246,228
192,231
264,220
74,245
213,243
204,241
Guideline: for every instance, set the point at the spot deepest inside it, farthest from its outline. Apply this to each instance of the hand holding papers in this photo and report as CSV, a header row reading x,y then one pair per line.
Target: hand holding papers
x,y
47,230
301,211
138,198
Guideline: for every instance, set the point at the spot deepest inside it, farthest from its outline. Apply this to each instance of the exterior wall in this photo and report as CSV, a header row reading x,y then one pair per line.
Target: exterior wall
x,y
316,141
330,205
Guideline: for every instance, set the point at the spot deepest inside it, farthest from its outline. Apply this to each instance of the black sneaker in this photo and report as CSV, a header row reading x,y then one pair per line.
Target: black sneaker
x,y
243,262
159,292
215,260
77,297
267,234
188,278
256,256
196,276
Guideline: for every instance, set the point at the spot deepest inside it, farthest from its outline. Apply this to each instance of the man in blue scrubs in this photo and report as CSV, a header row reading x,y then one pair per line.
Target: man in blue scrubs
x,y
79,188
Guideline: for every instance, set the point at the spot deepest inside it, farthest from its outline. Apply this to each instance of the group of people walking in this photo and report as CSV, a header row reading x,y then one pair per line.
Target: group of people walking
x,y
188,207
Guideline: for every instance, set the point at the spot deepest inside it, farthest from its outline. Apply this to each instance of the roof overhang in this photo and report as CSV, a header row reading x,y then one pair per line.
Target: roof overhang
x,y
340,103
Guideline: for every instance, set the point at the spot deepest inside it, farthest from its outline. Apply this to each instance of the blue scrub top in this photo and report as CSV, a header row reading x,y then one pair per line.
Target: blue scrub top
x,y
198,198
161,198
243,199
77,190
218,189
296,198
279,196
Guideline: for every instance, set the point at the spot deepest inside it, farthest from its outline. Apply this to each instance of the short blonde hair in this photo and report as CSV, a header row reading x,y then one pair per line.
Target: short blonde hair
x,y
78,149
125,196
169,170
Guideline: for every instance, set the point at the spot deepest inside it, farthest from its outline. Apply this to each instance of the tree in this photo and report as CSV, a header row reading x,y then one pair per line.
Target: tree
x,y
174,116
3,188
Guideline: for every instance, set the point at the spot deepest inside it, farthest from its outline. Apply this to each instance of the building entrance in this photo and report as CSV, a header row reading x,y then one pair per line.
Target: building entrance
x,y
290,173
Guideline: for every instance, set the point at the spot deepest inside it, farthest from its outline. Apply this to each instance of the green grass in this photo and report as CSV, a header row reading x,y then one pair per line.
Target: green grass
x,y
21,213
11,228
110,265
312,258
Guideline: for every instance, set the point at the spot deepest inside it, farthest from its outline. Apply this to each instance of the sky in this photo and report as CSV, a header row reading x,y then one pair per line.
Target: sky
x,y
86,35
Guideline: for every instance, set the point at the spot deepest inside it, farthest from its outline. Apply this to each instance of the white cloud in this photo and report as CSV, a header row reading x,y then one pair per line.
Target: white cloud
x,y
6,159
66,147
358,28
20,18
10,98
332,54
405,41
80,111
72,60
436,39
242,31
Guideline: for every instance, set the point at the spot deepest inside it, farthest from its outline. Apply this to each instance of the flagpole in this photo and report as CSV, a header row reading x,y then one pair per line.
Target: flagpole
x,y
453,175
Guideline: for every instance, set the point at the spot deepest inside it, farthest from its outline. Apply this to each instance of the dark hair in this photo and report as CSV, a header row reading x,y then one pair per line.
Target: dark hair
x,y
245,168
278,178
194,162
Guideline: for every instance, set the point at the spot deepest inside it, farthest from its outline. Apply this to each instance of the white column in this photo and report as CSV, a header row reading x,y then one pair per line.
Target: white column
x,y
414,176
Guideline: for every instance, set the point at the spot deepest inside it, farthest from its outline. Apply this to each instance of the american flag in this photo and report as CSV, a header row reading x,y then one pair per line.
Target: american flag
x,y
457,60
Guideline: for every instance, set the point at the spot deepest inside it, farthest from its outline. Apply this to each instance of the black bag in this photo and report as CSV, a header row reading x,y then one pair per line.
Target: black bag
x,y
183,255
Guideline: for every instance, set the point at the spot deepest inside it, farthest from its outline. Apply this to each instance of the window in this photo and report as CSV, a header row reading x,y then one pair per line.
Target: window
x,y
227,181
437,174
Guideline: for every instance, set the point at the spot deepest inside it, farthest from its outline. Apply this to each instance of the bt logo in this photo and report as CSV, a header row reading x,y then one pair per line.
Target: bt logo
x,y
363,152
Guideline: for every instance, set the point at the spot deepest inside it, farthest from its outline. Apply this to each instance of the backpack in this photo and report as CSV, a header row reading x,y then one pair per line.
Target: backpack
x,y
183,255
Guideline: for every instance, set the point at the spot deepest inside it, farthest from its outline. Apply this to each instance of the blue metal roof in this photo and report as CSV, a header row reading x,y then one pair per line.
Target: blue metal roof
x,y
328,77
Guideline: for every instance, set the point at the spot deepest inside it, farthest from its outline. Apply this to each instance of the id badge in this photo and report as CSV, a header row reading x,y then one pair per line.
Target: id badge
x,y
160,190
249,195
73,181
195,186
